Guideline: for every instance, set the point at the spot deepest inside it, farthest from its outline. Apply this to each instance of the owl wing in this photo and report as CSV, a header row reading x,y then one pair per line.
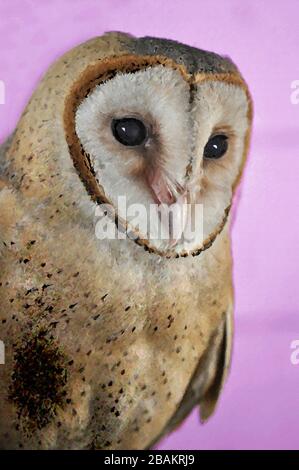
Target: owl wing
x,y
206,384
217,366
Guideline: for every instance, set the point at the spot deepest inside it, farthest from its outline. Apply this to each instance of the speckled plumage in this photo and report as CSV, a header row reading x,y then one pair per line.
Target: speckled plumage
x,y
107,346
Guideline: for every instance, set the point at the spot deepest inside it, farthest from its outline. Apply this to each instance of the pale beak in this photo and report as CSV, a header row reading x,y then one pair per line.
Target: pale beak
x,y
173,204
159,184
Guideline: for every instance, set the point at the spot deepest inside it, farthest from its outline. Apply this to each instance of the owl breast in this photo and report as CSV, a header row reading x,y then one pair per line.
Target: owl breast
x,y
106,339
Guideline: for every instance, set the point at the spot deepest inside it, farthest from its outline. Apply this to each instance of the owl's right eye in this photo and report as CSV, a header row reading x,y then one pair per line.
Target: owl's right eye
x,y
216,147
129,131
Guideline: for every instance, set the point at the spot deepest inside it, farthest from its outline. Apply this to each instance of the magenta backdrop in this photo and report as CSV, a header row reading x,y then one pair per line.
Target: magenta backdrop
x,y
260,404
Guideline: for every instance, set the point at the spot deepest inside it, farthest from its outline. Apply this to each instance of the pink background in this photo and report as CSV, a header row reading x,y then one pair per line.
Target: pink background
x,y
259,407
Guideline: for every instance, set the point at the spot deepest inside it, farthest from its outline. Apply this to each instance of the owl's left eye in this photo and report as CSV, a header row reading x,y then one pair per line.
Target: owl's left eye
x,y
129,131
216,146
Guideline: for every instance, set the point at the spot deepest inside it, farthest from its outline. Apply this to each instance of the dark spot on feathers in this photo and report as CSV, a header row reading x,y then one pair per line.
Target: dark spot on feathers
x,y
73,305
30,291
45,286
171,320
30,244
39,380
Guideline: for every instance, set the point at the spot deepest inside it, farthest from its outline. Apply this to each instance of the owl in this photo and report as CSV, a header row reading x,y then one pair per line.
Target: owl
x,y
111,341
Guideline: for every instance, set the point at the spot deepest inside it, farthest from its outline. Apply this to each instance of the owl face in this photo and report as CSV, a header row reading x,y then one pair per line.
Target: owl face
x,y
161,147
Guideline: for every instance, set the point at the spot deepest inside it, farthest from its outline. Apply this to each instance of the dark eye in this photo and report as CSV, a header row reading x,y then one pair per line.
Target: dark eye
x,y
129,131
216,146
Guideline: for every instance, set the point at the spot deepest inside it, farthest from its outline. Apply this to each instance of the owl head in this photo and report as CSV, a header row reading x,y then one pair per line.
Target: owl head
x,y
160,126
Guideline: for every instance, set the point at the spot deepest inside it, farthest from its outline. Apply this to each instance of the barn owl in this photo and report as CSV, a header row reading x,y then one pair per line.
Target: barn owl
x,y
111,341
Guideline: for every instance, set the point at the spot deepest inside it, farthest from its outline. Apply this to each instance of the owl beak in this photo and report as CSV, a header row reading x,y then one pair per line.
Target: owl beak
x,y
178,224
172,196
160,187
